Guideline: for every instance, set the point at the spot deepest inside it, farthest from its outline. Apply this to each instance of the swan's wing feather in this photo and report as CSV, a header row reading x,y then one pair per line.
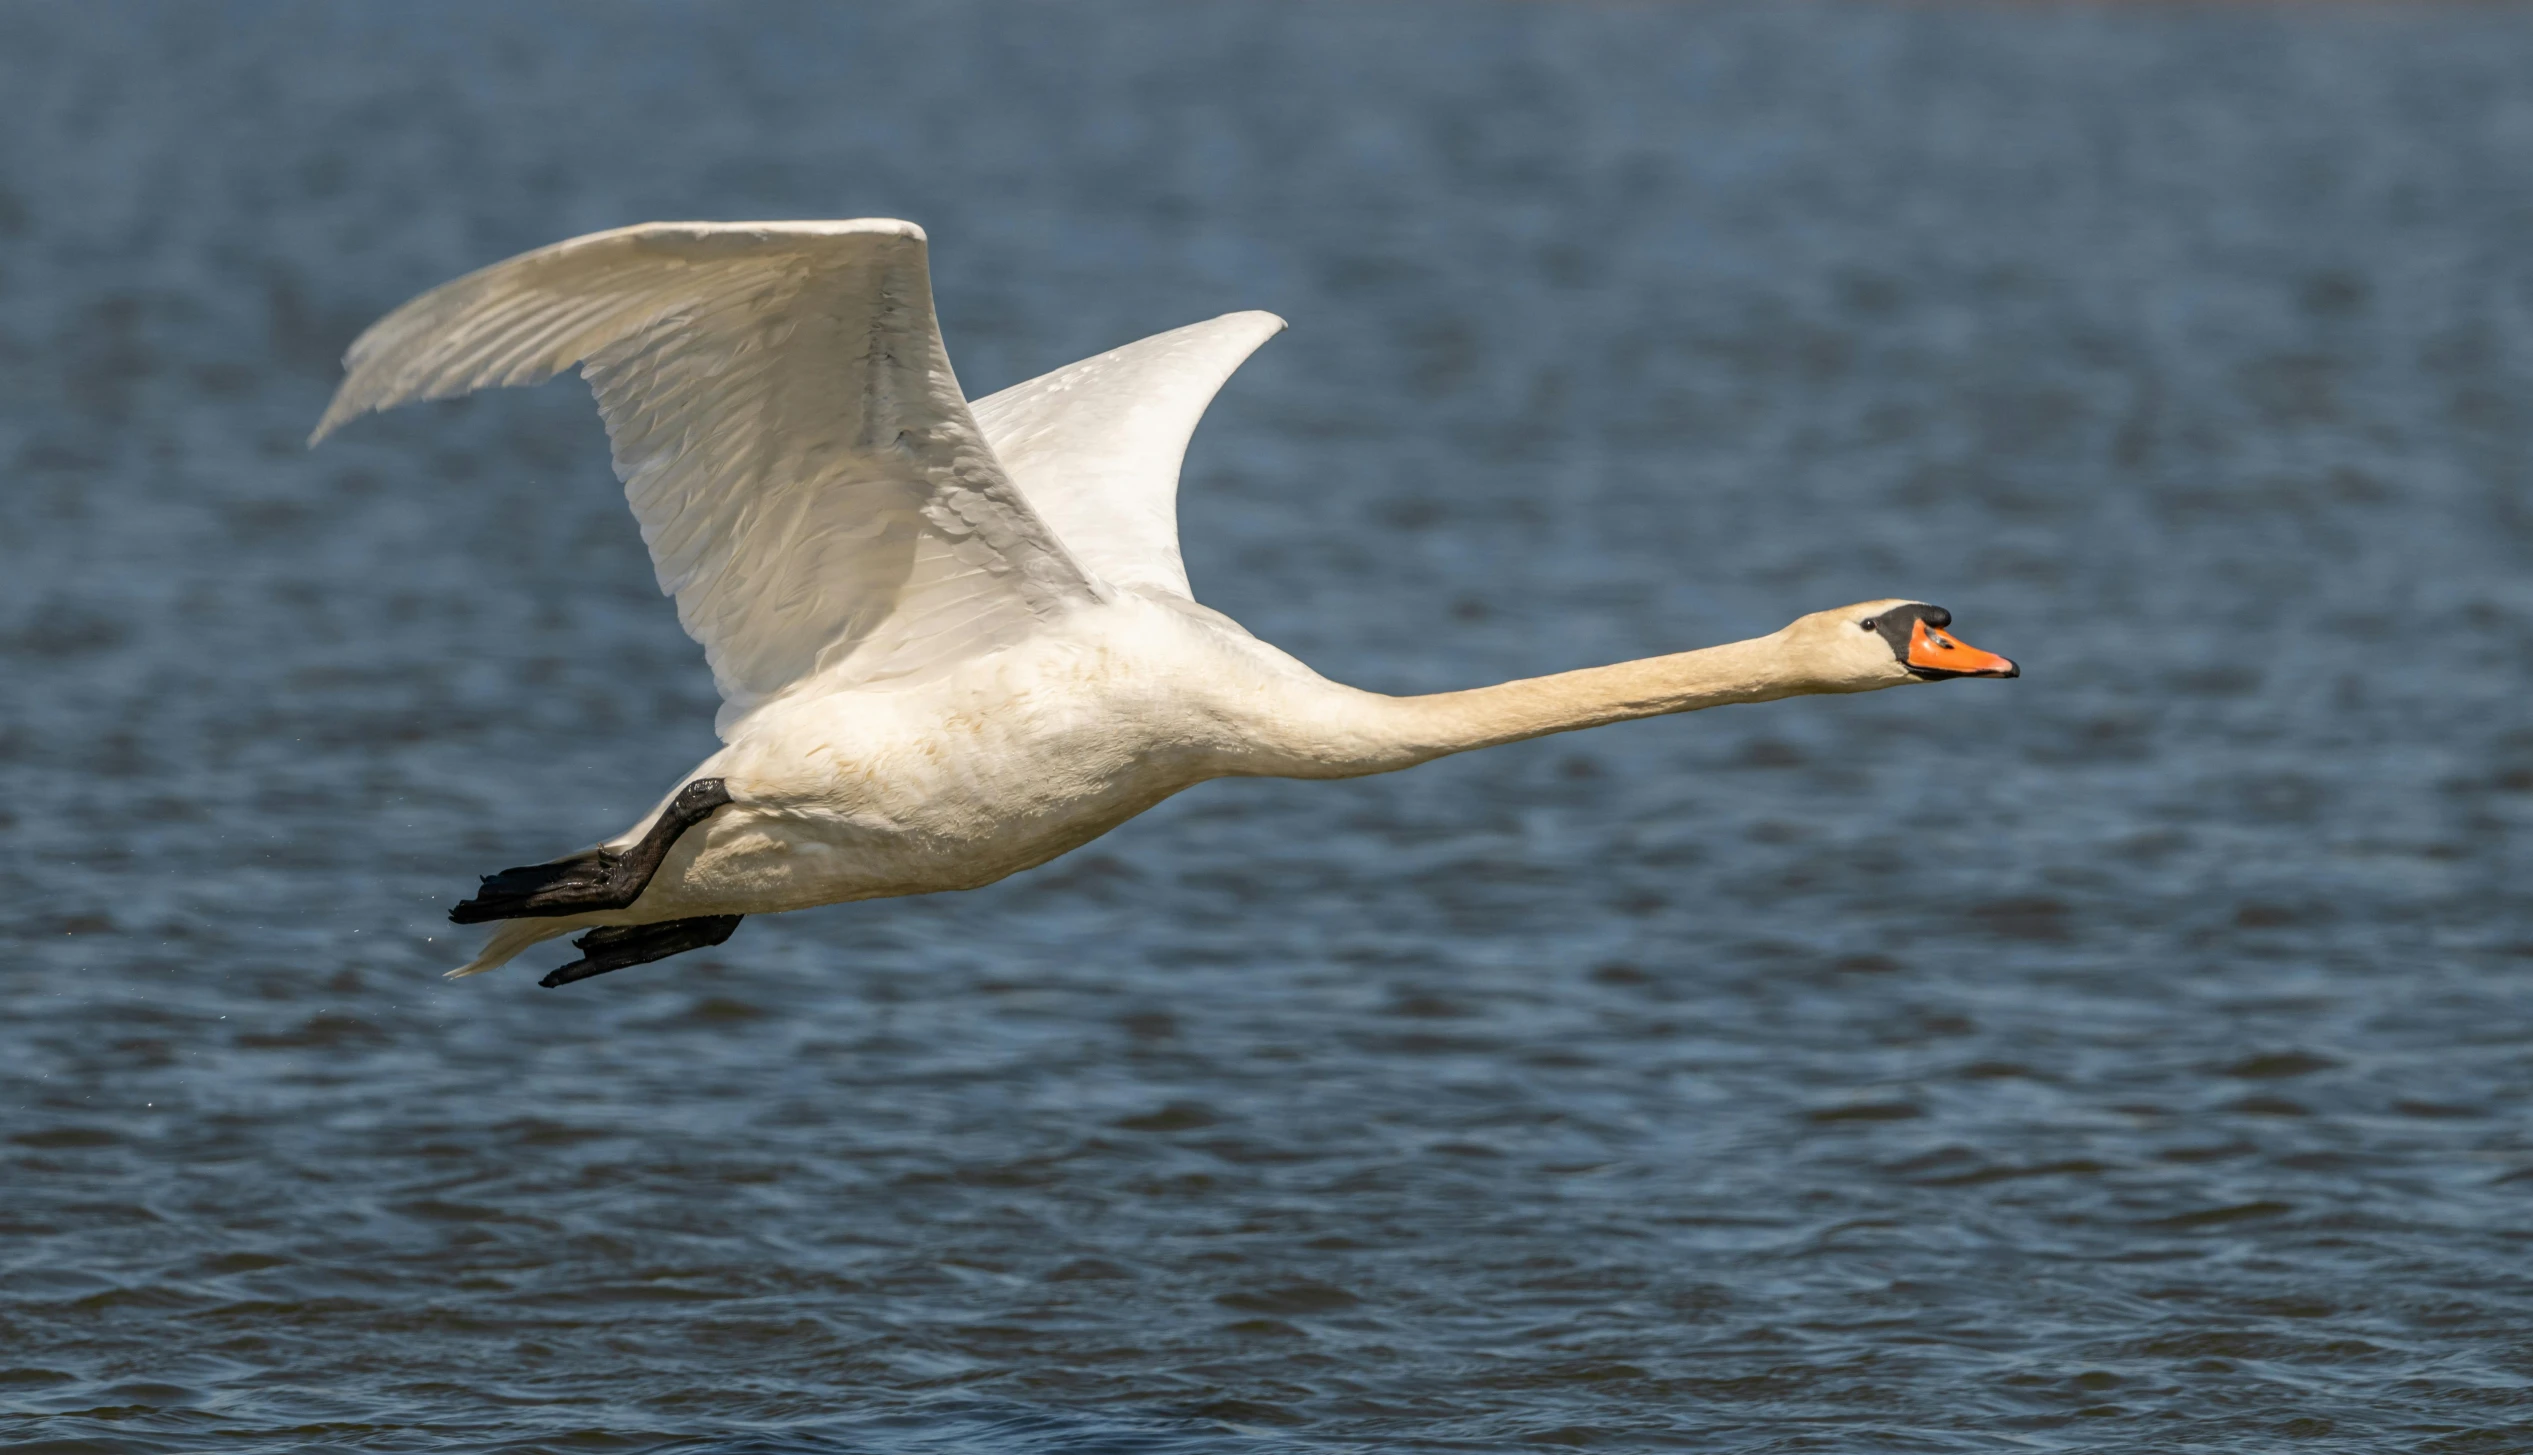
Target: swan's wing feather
x,y
1096,445
790,435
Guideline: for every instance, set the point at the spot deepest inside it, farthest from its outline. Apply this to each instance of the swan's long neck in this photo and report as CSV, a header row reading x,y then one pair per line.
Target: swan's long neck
x,y
1349,733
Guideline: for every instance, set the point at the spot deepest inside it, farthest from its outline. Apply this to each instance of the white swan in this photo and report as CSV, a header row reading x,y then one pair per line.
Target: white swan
x,y
952,641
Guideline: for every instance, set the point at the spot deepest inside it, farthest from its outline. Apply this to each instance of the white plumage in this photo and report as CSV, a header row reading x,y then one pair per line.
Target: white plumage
x,y
952,640
813,489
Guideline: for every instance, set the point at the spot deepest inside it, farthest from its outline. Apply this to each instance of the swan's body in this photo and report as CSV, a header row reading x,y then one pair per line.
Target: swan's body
x,y
955,643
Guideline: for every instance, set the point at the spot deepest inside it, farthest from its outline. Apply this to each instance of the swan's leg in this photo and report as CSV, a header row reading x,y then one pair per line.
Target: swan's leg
x,y
613,947
600,879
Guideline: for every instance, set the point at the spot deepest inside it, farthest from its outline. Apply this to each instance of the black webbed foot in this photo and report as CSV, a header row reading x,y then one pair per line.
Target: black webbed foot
x,y
613,947
603,879
566,886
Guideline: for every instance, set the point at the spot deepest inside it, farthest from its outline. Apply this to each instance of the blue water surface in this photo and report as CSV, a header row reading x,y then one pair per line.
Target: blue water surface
x,y
2129,1058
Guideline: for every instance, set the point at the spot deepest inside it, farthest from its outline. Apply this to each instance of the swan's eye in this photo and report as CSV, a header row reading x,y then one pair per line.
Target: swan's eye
x,y
1867,623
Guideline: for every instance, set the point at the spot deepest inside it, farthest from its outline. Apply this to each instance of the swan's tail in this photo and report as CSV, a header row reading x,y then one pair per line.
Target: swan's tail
x,y
513,936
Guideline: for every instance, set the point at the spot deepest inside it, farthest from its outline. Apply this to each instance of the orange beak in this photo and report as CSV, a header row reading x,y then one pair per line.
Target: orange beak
x,y
1940,653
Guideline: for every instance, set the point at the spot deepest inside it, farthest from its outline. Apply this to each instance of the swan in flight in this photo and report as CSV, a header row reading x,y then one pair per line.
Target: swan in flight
x,y
953,640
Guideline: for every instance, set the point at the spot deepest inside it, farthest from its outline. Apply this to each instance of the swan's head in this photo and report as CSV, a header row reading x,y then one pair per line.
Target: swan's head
x,y
1886,643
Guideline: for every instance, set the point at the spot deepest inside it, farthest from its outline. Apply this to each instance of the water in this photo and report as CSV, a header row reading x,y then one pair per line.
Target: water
x,y
2128,1058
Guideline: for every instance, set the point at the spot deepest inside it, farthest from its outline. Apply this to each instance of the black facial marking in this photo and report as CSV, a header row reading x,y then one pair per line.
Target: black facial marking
x,y
1899,623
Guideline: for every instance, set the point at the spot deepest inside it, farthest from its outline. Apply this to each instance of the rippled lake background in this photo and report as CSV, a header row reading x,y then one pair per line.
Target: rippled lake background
x,y
2129,1058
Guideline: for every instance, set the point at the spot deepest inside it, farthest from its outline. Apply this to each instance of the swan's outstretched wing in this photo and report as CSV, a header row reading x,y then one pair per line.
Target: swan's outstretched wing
x,y
812,487
1096,445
